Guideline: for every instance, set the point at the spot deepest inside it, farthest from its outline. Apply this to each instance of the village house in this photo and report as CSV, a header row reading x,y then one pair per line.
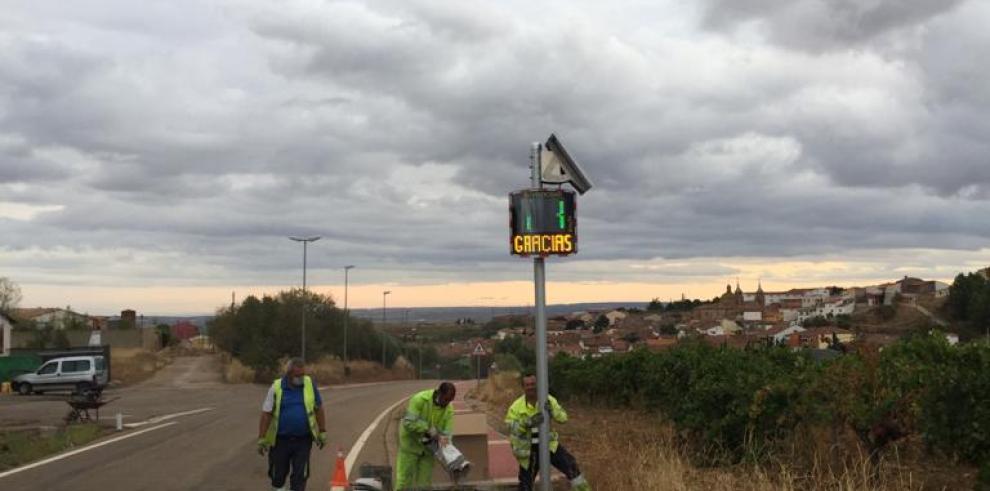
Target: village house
x,y
615,316
6,326
53,317
781,335
569,349
510,331
595,345
829,309
184,330
825,337
662,343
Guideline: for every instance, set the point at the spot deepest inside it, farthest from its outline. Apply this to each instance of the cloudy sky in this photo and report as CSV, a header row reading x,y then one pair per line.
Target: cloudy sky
x,y
156,154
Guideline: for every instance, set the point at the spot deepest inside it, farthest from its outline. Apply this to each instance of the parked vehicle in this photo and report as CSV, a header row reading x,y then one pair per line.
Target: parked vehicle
x,y
78,374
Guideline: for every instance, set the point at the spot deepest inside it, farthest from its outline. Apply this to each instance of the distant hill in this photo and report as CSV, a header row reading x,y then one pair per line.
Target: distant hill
x,y
153,320
480,314
424,314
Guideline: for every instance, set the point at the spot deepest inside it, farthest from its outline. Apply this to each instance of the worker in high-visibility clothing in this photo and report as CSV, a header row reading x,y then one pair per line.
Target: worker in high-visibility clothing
x,y
292,420
524,419
428,419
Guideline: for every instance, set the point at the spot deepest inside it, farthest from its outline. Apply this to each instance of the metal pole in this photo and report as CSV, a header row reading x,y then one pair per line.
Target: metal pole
x,y
542,375
305,241
384,296
304,304
346,315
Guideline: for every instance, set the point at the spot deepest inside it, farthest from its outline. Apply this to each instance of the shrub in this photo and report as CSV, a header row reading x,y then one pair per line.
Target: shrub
x,y
734,404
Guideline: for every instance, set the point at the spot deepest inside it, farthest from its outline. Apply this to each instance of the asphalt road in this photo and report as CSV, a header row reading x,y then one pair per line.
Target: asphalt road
x,y
190,431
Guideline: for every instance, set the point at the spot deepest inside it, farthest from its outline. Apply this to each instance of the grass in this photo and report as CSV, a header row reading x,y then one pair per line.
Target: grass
x,y
130,366
624,449
235,372
326,371
22,447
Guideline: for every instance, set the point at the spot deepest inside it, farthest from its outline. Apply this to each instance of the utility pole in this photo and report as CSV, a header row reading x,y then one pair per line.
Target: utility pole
x,y
305,241
384,296
347,370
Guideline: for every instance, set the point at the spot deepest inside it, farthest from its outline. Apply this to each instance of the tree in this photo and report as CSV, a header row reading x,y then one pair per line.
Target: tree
x,y
601,323
668,329
261,331
816,321
164,332
10,295
655,305
515,346
574,324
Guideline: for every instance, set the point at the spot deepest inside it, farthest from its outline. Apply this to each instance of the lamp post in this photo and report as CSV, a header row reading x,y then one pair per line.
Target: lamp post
x,y
346,315
384,296
305,241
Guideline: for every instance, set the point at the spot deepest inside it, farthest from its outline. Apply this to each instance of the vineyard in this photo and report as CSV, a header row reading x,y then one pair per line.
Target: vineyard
x,y
731,406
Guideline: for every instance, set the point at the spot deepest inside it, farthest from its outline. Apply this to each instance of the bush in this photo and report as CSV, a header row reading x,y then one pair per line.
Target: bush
x,y
234,372
732,404
954,412
508,363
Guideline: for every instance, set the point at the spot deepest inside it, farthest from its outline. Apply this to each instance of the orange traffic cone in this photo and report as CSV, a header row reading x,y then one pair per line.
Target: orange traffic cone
x,y
339,480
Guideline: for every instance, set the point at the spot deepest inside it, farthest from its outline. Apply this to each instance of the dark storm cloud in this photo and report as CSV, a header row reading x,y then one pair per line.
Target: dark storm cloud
x,y
825,24
395,130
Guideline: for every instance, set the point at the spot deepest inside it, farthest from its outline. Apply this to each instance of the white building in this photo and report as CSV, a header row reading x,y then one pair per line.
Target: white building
x,y
714,331
838,306
53,317
789,315
781,337
6,325
725,328
615,316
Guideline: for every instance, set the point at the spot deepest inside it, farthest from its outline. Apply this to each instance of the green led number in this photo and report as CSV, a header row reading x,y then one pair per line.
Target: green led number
x,y
560,214
529,223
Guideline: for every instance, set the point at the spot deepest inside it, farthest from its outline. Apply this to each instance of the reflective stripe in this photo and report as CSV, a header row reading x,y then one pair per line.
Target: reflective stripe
x,y
412,417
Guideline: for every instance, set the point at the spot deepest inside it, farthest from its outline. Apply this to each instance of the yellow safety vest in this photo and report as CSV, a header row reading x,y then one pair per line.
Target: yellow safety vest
x,y
421,415
309,399
522,437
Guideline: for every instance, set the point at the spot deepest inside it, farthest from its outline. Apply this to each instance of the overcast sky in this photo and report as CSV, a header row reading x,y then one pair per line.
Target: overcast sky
x,y
156,154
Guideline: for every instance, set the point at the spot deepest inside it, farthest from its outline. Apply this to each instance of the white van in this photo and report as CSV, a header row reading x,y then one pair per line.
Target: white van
x,y
73,373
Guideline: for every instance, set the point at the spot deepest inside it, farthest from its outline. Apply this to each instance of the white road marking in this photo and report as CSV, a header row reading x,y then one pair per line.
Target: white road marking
x,y
359,444
352,386
83,449
159,419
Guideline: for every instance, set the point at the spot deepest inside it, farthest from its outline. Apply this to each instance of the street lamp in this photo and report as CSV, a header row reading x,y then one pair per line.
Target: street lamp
x,y
346,315
384,296
305,241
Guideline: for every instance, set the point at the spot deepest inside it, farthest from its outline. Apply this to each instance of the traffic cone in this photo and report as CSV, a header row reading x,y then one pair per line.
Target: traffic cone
x,y
339,481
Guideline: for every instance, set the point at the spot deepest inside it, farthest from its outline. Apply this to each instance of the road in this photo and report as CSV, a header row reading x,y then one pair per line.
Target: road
x,y
190,431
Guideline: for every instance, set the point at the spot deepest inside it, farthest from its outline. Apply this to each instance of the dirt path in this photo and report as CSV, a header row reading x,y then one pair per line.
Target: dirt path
x,y
188,372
